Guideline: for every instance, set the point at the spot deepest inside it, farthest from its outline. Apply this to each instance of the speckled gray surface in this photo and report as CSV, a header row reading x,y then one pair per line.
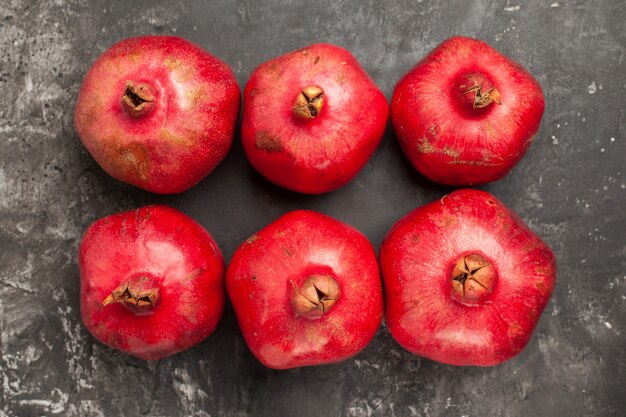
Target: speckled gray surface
x,y
570,188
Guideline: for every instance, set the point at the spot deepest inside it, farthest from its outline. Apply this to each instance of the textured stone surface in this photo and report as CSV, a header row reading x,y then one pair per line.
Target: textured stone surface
x,y
570,188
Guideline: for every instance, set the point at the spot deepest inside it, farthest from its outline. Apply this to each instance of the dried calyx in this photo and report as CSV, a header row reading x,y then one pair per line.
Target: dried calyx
x,y
315,297
138,98
476,91
309,102
473,278
140,294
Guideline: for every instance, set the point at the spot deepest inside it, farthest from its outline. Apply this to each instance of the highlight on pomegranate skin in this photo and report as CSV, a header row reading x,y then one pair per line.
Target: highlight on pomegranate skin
x,y
312,119
306,290
158,112
466,114
151,281
465,280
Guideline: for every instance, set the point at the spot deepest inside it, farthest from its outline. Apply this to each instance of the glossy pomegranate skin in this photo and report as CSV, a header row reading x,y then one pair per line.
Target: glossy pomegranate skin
x,y
260,282
455,145
322,154
186,264
418,256
189,128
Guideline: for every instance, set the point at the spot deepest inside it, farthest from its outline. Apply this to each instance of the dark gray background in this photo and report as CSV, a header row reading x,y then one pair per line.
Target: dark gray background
x,y
570,188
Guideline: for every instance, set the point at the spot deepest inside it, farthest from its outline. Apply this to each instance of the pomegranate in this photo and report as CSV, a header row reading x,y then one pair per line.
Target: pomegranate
x,y
158,112
306,290
466,114
312,118
151,281
465,280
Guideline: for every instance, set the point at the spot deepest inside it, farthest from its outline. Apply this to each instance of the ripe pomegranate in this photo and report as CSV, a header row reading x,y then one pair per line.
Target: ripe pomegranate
x,y
158,112
306,290
151,281
465,280
466,114
312,118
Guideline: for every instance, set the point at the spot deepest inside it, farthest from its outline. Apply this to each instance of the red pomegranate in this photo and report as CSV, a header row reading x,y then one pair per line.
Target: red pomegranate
x,y
158,112
306,290
151,281
466,114
465,280
312,118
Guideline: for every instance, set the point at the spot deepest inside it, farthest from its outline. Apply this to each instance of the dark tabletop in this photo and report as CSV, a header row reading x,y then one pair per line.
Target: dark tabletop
x,y
570,188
